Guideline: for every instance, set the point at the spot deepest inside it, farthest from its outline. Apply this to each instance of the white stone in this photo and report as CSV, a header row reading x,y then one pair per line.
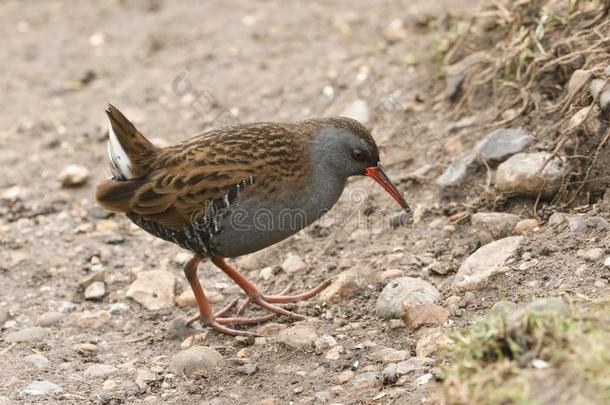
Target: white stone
x,y
181,258
44,387
95,291
293,264
154,289
266,273
485,262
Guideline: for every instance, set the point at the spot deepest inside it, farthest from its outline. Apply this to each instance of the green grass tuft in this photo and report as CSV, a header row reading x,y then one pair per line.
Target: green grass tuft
x,y
531,357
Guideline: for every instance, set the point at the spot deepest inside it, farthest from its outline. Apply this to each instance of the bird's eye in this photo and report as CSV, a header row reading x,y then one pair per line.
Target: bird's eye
x,y
358,154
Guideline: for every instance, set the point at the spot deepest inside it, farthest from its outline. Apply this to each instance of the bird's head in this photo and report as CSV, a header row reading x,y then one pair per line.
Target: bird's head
x,y
344,147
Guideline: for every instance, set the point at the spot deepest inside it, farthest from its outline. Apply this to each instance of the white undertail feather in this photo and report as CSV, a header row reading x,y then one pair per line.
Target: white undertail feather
x,y
119,161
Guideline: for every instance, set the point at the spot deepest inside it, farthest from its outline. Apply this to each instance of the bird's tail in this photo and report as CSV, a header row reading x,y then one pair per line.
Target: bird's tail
x,y
128,149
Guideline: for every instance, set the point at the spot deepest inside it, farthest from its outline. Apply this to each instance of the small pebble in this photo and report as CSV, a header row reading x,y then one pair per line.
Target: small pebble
x,y
591,255
248,369
73,175
345,376
195,361
44,387
27,335
37,360
118,308
51,318
86,349
293,264
109,385
100,371
95,291
298,336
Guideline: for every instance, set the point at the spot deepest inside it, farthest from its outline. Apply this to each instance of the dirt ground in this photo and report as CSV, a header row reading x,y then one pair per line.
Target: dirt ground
x,y
177,68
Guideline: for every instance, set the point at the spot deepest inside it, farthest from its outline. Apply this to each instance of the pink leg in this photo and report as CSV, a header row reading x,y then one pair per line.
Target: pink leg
x,y
262,300
206,314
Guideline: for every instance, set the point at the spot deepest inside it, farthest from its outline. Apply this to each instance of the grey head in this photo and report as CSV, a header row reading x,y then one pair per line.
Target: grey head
x,y
343,147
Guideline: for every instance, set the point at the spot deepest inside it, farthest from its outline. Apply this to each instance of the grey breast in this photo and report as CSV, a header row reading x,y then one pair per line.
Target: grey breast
x,y
255,223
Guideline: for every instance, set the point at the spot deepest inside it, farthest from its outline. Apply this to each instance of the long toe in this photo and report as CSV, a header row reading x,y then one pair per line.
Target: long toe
x,y
277,310
245,321
248,301
281,298
230,331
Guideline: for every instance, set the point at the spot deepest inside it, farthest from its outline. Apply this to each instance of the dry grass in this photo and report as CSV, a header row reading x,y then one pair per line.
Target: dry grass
x,y
522,56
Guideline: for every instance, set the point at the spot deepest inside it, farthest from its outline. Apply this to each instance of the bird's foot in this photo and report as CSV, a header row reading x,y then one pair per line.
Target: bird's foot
x,y
218,324
267,301
219,320
264,301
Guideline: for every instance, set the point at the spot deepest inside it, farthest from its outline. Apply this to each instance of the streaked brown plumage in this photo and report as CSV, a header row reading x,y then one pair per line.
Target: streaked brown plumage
x,y
190,193
172,184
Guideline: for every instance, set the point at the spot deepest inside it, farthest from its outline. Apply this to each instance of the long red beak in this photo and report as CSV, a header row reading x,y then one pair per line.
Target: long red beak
x,y
377,174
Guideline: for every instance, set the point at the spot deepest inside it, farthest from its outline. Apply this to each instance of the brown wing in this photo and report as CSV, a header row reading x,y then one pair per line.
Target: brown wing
x,y
186,181
177,196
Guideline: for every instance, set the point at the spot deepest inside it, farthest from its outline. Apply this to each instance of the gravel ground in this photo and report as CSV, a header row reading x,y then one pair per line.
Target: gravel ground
x,y
92,309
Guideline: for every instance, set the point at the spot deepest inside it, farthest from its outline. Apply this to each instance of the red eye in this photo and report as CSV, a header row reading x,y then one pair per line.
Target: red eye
x,y
358,154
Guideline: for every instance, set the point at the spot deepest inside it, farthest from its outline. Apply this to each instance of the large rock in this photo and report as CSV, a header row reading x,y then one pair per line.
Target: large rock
x,y
503,143
524,174
195,361
154,289
495,147
404,291
490,226
457,170
485,262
